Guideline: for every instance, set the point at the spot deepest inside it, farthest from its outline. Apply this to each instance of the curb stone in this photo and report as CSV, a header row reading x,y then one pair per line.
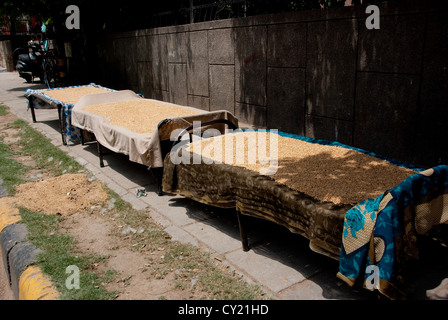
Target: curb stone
x,y
20,257
25,279
9,237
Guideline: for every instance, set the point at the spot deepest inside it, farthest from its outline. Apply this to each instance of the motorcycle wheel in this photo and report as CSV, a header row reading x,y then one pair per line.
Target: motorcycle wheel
x,y
28,78
49,76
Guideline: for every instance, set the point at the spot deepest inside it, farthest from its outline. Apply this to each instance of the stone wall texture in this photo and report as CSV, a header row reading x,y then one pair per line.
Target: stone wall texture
x,y
319,73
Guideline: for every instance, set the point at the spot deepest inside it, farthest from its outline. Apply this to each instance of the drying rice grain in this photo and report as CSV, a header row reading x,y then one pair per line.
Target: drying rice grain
x,y
327,173
72,95
140,116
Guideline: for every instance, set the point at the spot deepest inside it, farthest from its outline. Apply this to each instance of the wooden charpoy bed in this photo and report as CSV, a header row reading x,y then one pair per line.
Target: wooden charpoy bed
x,y
63,99
328,192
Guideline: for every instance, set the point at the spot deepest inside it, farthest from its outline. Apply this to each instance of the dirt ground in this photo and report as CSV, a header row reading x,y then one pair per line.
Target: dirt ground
x,y
97,231
94,233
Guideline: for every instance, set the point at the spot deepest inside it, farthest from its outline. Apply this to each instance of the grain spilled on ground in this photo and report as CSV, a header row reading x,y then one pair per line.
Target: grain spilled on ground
x,y
327,173
140,116
65,194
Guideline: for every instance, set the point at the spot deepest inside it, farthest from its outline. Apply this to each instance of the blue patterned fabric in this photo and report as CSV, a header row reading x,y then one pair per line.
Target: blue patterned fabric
x,y
397,220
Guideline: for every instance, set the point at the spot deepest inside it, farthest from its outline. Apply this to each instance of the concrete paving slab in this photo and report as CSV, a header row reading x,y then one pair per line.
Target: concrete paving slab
x,y
176,209
323,286
91,168
214,238
304,290
177,215
178,234
159,218
125,182
304,262
135,202
81,161
271,273
111,184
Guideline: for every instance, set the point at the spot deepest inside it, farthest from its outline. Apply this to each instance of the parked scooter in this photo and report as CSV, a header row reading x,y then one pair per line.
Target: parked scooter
x,y
37,61
30,61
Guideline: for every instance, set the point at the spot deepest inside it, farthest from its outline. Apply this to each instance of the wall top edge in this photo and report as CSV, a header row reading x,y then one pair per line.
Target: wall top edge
x,y
386,8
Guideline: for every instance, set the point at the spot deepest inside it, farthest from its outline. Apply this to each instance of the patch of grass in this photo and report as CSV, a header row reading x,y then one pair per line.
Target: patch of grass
x,y
41,149
58,253
4,110
226,287
11,171
198,271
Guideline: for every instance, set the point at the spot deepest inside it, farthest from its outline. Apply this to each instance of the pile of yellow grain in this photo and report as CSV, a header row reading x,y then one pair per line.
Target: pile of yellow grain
x,y
72,95
65,194
140,116
327,173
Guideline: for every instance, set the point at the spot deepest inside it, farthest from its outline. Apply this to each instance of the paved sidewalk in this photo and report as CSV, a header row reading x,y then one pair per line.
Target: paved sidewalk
x,y
279,261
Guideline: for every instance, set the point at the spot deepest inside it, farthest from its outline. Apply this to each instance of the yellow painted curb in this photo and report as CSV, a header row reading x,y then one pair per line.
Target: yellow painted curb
x,y
34,285
8,213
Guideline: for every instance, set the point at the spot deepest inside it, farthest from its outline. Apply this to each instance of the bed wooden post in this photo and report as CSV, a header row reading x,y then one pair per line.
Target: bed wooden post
x,y
159,175
243,234
61,123
33,114
100,153
82,137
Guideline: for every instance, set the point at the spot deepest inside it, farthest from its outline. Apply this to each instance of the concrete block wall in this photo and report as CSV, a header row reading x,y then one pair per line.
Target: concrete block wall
x,y
6,59
318,73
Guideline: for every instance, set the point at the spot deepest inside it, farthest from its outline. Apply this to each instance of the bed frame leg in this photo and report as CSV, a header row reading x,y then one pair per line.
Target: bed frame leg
x,y
243,234
33,114
82,137
100,153
61,123
159,174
